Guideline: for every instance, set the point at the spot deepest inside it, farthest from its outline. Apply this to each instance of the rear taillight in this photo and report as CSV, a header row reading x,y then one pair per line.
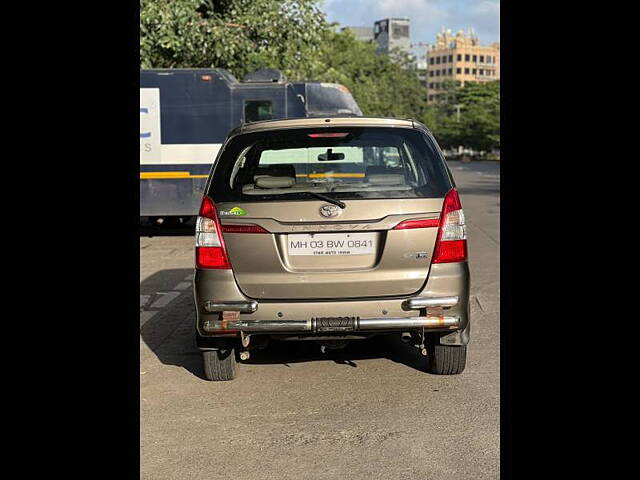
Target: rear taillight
x,y
210,250
451,244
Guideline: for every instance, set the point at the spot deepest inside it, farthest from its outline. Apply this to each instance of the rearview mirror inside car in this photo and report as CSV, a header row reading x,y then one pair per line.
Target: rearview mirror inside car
x,y
323,157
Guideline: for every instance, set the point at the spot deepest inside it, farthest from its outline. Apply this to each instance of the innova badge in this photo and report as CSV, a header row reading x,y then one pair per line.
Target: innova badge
x,y
330,211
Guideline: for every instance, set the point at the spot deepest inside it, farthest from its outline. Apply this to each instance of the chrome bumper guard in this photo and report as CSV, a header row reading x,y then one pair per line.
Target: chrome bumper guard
x,y
242,307
339,324
429,302
409,304
333,324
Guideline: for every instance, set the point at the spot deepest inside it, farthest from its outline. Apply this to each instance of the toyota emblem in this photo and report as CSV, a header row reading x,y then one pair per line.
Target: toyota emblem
x,y
330,211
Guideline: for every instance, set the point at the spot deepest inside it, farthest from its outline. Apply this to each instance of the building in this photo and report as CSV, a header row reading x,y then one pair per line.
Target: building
x,y
364,34
392,33
462,59
422,71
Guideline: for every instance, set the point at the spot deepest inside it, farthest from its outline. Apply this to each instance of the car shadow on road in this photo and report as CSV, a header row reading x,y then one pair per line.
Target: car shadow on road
x,y
170,335
381,346
169,332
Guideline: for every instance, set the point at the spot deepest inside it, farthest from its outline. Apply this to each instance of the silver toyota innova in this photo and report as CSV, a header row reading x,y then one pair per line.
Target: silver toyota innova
x,y
331,230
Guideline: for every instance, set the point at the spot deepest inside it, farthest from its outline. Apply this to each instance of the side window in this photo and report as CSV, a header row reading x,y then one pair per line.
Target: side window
x,y
416,174
238,166
256,110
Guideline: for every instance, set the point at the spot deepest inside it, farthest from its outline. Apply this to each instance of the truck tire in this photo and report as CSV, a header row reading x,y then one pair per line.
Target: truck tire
x,y
219,365
446,359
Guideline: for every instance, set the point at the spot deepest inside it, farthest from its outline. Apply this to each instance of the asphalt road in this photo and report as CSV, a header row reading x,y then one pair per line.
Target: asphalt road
x,y
366,412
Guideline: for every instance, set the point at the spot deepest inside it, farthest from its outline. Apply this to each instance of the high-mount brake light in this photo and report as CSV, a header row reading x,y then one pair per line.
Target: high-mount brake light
x,y
408,224
210,249
451,244
328,135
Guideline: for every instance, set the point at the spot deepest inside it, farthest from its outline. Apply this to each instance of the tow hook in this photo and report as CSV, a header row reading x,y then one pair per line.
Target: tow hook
x,y
423,350
245,340
420,338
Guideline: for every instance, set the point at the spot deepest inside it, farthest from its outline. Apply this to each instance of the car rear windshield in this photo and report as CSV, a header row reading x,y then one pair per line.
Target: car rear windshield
x,y
343,163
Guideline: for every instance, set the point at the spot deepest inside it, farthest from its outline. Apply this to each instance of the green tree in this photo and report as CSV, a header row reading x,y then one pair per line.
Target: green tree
x,y
381,87
240,35
480,117
445,115
469,116
290,35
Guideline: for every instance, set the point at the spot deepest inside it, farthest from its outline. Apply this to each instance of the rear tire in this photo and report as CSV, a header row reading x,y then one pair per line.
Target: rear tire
x,y
446,359
219,365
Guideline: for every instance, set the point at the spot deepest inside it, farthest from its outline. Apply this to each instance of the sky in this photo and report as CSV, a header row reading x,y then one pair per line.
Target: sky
x,y
427,16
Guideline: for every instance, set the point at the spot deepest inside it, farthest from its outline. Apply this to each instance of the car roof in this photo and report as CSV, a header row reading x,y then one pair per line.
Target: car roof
x,y
330,121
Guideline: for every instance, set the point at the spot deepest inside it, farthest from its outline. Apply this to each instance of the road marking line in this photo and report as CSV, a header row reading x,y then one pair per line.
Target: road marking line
x,y
165,299
479,304
189,277
168,175
146,316
182,286
144,299
335,175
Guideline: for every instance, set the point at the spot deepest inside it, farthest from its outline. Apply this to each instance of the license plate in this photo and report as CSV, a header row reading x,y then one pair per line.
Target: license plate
x,y
328,244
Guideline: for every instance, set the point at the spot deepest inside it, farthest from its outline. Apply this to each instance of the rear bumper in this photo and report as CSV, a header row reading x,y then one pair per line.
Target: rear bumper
x,y
442,305
333,324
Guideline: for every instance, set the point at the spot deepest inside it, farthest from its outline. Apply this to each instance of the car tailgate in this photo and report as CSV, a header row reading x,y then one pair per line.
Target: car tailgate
x,y
307,256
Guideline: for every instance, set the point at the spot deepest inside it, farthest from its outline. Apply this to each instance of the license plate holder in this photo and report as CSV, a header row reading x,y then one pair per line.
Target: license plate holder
x,y
332,244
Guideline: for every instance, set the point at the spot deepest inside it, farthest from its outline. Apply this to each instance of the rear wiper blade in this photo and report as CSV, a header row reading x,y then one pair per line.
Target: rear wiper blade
x,y
327,199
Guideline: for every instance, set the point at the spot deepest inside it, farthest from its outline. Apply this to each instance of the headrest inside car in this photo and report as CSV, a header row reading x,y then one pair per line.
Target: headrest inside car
x,y
275,182
276,170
